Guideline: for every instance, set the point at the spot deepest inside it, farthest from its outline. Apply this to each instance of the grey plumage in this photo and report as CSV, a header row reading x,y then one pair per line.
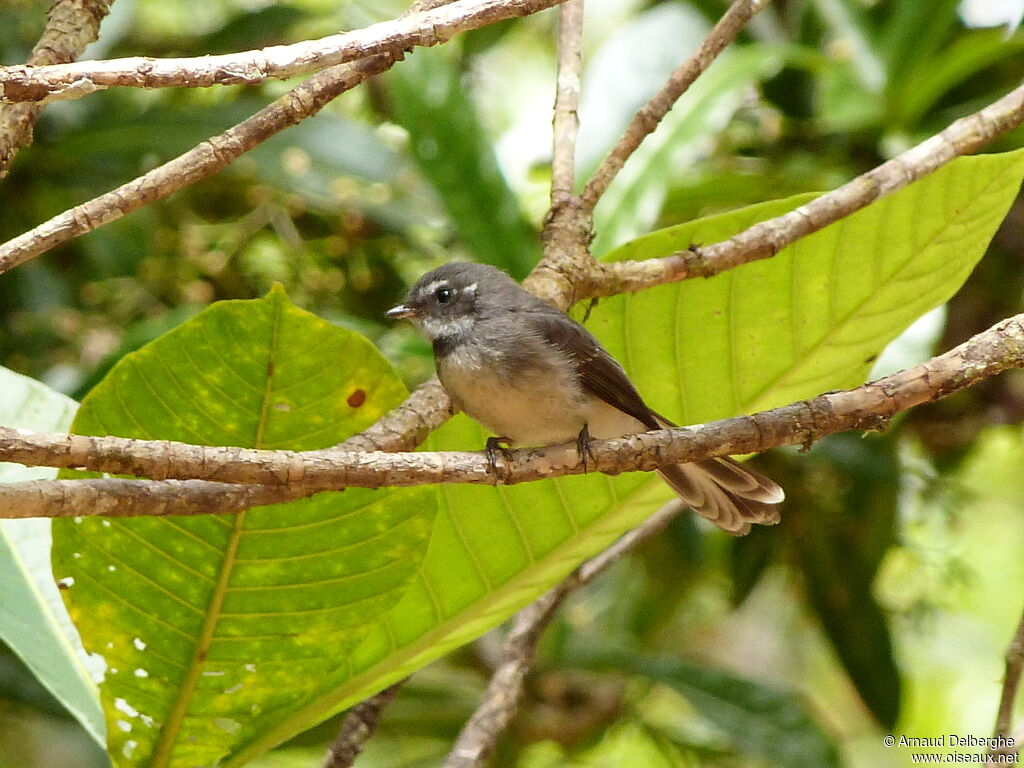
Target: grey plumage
x,y
535,376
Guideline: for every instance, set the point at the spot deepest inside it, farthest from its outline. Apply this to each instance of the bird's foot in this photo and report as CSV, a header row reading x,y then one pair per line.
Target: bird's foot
x,y
583,448
498,446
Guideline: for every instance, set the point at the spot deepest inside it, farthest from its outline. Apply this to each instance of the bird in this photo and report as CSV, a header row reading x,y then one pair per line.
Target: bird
x,y
532,375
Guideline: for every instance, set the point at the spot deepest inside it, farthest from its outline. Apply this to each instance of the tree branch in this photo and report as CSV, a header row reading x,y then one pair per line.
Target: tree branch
x,y
118,497
358,725
492,716
566,233
866,407
423,28
70,26
1011,682
764,240
648,116
402,429
567,102
567,273
501,699
198,163
361,720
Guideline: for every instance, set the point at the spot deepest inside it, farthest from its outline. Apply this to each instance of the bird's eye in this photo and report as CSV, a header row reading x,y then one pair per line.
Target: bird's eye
x,y
444,294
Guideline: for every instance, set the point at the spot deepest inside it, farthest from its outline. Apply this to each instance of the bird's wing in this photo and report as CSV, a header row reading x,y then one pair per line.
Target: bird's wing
x,y
600,373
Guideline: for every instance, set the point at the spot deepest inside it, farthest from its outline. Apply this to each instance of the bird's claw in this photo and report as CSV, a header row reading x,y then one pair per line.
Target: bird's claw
x,y
583,448
496,446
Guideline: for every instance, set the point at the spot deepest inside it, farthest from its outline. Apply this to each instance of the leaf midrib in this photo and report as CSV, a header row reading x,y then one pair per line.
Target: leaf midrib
x,y
399,657
168,739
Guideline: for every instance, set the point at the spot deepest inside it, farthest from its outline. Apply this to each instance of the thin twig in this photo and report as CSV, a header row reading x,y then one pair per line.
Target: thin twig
x,y
567,101
216,153
1011,683
764,240
481,731
119,497
394,37
198,163
70,26
566,233
567,273
358,725
501,699
869,406
648,116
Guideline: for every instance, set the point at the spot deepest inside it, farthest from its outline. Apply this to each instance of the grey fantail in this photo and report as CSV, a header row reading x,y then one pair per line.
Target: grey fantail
x,y
534,376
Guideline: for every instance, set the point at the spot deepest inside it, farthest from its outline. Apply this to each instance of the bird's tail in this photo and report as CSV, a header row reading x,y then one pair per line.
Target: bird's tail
x,y
725,492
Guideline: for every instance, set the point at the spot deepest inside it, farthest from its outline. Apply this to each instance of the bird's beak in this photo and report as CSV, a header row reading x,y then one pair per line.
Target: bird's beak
x,y
397,313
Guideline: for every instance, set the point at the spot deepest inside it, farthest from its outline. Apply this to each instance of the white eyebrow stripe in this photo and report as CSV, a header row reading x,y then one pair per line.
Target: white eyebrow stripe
x,y
471,287
435,285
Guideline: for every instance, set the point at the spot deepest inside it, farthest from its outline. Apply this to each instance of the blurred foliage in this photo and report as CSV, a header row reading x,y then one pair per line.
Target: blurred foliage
x,y
888,593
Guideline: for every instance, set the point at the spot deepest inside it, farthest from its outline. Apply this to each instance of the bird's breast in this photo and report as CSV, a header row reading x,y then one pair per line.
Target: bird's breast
x,y
535,402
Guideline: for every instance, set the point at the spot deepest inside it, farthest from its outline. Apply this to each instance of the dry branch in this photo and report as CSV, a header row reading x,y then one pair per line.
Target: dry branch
x,y
567,102
70,26
198,163
1011,682
116,497
567,273
650,114
764,240
869,406
402,429
501,698
358,725
394,37
566,232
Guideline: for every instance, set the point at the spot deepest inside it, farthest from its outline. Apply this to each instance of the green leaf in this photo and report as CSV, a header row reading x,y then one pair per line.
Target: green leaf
x,y
811,319
815,316
33,620
757,720
214,628
919,90
450,146
912,32
492,551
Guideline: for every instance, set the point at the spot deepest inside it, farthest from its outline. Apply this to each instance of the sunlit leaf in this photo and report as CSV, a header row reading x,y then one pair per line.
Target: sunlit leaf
x,y
215,627
629,745
815,316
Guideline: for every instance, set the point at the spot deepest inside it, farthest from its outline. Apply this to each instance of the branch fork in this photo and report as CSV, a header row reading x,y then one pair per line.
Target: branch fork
x,y
235,478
